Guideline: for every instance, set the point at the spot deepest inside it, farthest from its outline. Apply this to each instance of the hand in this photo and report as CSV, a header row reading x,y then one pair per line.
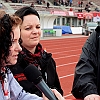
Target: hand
x,y
57,94
92,97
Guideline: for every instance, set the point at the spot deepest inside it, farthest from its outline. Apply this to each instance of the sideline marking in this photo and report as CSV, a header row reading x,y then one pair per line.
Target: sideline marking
x,y
66,64
67,56
66,51
66,76
67,95
65,47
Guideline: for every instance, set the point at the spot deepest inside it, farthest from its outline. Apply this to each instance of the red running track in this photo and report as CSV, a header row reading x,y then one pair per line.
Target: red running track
x,y
66,52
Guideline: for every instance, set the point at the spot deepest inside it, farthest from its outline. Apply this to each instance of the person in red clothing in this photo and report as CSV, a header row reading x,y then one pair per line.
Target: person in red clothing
x,y
79,2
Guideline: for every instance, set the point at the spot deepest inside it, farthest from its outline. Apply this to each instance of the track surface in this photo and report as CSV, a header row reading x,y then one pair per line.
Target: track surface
x,y
66,52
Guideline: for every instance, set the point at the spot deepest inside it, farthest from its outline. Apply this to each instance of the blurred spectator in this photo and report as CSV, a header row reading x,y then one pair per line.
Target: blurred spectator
x,y
44,1
39,2
97,9
70,1
90,3
14,1
19,1
59,2
56,3
79,3
87,8
62,2
0,5
66,3
48,4
71,9
32,4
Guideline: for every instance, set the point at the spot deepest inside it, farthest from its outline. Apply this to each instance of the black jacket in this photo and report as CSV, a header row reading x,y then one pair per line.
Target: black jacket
x,y
48,69
87,71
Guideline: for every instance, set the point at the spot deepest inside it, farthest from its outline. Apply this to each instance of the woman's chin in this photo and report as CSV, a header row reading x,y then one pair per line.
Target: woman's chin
x,y
12,63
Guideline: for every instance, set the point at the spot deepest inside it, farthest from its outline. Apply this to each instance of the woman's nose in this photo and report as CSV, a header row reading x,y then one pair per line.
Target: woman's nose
x,y
19,47
34,31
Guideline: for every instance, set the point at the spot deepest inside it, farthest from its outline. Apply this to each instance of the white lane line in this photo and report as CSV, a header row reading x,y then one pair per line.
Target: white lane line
x,y
66,76
66,51
65,47
67,95
62,43
66,56
66,64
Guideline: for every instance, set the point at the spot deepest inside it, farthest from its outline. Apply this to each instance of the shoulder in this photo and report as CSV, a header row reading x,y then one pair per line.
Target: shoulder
x,y
21,61
97,29
46,55
47,58
93,38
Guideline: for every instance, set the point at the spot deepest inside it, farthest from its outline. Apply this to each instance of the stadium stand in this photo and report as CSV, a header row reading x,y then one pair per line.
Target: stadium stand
x,y
43,6
55,11
49,28
17,6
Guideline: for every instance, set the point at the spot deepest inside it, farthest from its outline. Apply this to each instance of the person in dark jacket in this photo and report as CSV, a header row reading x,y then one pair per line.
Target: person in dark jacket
x,y
33,53
86,83
9,50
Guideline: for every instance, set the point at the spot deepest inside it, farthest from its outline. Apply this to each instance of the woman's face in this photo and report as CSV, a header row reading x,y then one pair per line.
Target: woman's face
x,y
15,48
30,31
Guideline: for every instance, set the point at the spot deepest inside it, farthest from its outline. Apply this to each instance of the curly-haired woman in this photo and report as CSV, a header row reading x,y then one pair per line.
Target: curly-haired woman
x,y
9,50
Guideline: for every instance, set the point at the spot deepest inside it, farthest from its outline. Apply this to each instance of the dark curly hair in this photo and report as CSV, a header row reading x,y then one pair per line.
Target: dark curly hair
x,y
7,22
